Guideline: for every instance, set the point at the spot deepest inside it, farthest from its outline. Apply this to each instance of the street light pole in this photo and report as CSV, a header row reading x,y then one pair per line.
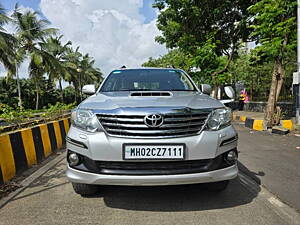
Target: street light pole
x,y
296,81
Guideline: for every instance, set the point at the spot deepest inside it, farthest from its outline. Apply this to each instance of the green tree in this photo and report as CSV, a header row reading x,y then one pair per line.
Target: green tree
x,y
30,31
54,46
217,26
7,47
81,70
274,27
7,42
71,63
174,58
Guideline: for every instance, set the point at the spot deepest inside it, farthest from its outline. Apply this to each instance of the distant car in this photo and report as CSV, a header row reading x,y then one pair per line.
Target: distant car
x,y
150,127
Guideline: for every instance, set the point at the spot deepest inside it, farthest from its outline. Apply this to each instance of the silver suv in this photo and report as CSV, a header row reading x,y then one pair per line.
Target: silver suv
x,y
150,127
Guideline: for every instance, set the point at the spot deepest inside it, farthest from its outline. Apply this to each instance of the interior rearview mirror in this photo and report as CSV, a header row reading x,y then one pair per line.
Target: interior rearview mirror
x,y
89,89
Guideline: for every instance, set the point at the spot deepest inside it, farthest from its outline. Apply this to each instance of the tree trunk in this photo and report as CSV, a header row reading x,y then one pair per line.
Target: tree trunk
x,y
19,88
37,98
76,92
281,78
214,75
61,91
272,95
281,71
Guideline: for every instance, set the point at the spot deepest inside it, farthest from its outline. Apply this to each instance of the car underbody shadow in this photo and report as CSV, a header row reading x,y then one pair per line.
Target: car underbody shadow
x,y
195,197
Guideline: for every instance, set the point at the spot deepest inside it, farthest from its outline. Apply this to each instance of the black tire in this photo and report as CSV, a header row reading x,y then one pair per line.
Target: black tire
x,y
85,189
217,186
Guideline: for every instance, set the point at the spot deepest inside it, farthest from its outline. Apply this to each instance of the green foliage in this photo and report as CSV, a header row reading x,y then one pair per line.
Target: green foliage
x,y
60,107
18,115
7,43
274,27
188,24
208,62
205,63
49,94
255,75
174,58
207,30
49,60
69,94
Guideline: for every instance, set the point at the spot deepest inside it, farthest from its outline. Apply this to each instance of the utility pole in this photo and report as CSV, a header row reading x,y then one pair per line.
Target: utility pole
x,y
296,76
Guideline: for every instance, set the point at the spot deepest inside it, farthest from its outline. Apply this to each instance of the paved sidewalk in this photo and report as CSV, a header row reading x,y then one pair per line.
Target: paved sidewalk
x,y
253,115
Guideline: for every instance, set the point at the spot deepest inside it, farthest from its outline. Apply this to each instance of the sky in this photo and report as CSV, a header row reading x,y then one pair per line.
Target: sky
x,y
114,32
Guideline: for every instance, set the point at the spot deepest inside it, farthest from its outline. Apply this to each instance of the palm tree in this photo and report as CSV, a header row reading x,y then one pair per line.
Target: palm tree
x,y
71,63
90,74
81,69
7,41
30,33
7,48
54,46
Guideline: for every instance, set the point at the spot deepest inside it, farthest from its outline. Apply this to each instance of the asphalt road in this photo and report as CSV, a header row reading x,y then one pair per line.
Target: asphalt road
x,y
273,161
51,200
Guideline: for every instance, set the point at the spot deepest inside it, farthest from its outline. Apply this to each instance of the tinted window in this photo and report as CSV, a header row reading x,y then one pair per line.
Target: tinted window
x,y
150,80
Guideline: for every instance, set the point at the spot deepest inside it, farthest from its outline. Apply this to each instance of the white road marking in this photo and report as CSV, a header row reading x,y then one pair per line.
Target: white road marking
x,y
287,213
275,202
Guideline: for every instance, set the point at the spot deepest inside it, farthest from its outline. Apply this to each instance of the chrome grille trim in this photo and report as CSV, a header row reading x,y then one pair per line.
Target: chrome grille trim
x,y
133,126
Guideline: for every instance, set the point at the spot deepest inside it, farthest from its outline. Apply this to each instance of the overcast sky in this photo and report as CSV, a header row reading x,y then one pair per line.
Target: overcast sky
x,y
114,32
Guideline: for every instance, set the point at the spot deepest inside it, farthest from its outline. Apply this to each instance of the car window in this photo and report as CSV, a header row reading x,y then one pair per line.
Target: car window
x,y
150,80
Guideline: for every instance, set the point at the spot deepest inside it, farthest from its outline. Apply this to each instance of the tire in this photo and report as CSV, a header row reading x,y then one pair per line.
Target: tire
x,y
85,189
217,186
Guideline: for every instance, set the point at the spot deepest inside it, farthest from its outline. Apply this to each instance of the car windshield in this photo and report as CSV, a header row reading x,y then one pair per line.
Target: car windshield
x,y
147,80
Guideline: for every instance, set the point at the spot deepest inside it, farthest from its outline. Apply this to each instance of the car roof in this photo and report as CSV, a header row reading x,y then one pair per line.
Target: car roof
x,y
149,68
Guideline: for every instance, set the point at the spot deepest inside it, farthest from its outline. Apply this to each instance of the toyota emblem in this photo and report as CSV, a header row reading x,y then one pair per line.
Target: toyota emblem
x,y
153,120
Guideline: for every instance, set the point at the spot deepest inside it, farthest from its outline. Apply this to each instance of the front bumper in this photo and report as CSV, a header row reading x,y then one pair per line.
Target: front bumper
x,y
78,176
101,147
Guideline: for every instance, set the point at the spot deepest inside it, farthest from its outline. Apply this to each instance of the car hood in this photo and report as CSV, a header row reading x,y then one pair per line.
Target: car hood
x,y
178,99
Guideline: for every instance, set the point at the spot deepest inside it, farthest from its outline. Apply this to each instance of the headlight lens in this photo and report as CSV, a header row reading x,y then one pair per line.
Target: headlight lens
x,y
85,120
219,118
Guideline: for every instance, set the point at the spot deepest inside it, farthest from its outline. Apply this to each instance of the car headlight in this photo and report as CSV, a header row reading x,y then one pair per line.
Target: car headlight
x,y
85,120
219,119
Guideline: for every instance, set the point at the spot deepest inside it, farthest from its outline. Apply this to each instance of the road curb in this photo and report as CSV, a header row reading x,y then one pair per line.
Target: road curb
x,y
24,148
250,123
29,180
258,124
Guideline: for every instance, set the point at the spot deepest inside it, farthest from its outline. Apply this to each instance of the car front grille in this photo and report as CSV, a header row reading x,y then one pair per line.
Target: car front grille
x,y
174,125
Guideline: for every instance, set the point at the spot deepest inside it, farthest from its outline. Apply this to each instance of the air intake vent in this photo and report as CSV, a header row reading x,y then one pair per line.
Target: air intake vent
x,y
151,94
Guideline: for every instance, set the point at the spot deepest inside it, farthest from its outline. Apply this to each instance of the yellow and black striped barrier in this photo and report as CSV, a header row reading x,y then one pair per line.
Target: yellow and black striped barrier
x,y
258,124
21,149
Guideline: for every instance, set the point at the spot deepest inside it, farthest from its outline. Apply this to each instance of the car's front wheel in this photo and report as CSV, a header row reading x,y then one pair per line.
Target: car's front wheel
x,y
217,186
85,189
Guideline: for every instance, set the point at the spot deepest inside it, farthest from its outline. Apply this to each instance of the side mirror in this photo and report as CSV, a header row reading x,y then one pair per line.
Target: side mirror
x,y
89,89
205,88
229,92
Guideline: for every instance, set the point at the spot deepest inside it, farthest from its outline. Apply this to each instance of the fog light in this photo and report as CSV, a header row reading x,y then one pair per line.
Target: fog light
x,y
231,157
73,159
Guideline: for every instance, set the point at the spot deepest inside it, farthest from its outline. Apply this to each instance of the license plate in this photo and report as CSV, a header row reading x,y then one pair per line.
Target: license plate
x,y
153,151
